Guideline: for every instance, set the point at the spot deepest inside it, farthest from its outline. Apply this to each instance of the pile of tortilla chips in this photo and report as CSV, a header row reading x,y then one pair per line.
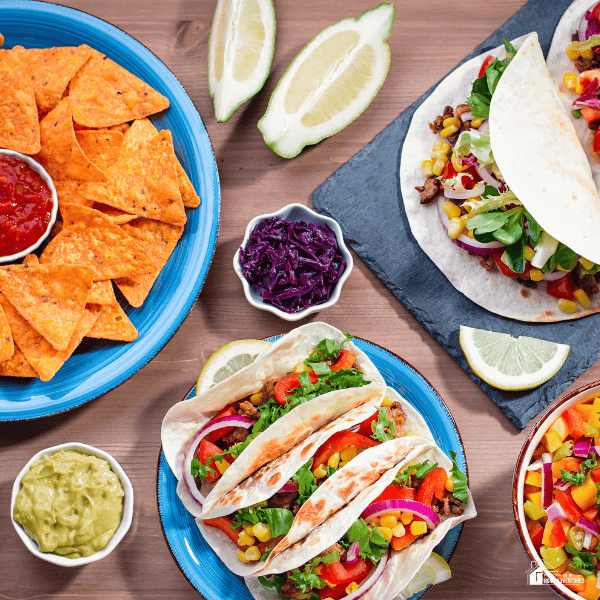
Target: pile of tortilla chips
x,y
122,195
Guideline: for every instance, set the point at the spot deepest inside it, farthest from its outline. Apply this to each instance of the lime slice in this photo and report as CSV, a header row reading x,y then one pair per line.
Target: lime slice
x,y
434,570
331,81
229,360
240,51
509,363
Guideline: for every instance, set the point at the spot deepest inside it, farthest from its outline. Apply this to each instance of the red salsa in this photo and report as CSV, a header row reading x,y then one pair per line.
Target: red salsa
x,y
25,205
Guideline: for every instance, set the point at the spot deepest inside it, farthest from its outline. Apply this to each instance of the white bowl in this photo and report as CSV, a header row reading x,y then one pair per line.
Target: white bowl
x,y
125,520
297,213
36,167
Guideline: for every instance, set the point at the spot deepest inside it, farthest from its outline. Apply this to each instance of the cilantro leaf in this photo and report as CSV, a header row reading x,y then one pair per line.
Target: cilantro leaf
x,y
372,543
307,482
200,470
266,554
460,481
307,581
327,349
279,520
379,427
574,478
421,471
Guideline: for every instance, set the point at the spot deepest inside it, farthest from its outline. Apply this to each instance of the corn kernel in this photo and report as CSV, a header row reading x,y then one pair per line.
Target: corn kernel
x,y
471,234
253,554
241,556
262,532
418,527
320,471
536,275
301,366
585,263
389,521
478,122
455,228
386,402
374,522
451,209
450,484
406,518
450,121
427,168
448,131
439,156
570,80
399,530
587,54
317,569
457,166
256,399
222,465
567,306
347,454
529,252
245,539
443,147
386,532
351,588
438,167
248,528
334,461
572,53
582,298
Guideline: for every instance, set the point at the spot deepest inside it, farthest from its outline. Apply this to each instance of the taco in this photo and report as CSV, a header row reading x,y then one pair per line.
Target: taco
x,y
509,182
374,545
343,457
253,417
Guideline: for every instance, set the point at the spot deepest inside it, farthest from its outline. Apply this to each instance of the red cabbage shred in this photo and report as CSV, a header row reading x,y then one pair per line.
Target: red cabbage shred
x,y
293,265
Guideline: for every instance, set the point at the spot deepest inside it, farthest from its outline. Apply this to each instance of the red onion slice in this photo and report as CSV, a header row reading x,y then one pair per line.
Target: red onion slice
x,y
584,24
369,582
534,466
352,556
424,512
555,512
562,485
211,426
590,526
289,487
477,190
484,173
587,540
547,481
556,275
582,447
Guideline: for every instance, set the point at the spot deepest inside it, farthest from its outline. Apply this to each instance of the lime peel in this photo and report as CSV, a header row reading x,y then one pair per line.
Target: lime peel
x,y
434,570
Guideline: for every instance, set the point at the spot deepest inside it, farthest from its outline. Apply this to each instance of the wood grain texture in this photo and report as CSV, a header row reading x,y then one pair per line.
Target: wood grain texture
x,y
428,39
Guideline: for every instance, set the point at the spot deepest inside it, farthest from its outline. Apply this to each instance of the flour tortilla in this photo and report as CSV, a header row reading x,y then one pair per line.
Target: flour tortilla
x,y
185,419
522,142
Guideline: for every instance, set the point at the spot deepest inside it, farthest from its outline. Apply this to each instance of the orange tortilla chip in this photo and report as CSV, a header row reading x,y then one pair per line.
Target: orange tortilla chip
x,y
17,366
188,193
7,347
91,238
104,94
51,298
101,147
118,216
159,241
38,352
61,154
71,191
123,127
19,125
31,259
102,293
113,324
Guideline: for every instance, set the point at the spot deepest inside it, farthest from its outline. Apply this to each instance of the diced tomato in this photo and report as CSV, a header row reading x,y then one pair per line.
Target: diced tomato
x,y
339,573
570,464
225,525
591,514
345,360
336,593
558,537
337,442
398,543
433,484
205,450
395,492
506,270
575,422
591,115
596,12
597,141
562,288
595,474
449,172
285,386
568,505
486,63
216,435
536,533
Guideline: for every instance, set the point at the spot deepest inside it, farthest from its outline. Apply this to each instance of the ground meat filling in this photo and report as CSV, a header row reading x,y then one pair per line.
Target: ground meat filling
x,y
247,409
282,500
398,416
430,190
487,262
239,434
290,589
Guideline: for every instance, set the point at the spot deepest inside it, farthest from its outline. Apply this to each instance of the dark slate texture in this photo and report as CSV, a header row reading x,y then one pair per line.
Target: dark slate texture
x,y
364,197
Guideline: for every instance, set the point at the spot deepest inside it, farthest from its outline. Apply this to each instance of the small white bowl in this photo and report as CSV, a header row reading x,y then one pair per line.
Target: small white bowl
x,y
125,520
36,167
297,213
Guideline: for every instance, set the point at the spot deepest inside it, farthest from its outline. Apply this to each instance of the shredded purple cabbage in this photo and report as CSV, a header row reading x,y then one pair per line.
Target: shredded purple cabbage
x,y
469,159
588,98
293,265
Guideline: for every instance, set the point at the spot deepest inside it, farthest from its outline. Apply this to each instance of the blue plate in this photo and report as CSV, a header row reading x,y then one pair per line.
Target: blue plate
x,y
98,366
202,567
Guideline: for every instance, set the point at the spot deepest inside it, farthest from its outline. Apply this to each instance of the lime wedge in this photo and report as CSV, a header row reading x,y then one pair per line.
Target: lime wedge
x,y
240,51
434,570
331,81
509,363
229,360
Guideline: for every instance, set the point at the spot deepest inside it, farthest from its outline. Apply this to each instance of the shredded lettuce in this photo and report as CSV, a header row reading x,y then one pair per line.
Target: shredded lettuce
x,y
455,183
460,491
489,202
476,143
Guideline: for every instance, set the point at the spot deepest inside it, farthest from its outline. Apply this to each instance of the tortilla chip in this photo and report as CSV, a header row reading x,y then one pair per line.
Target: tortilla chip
x,y
159,241
118,216
113,324
102,293
17,366
91,238
31,259
7,347
61,154
123,127
101,147
56,228
51,69
104,94
51,298
38,352
19,125
188,193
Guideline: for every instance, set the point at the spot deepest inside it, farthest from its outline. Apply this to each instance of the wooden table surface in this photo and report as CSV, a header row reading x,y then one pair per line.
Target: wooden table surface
x,y
428,39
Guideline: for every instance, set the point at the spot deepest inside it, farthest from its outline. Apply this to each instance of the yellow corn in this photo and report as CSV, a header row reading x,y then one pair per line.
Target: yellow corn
x,y
567,306
301,367
471,234
320,471
438,166
386,532
450,121
347,454
351,588
241,556
374,522
406,518
457,166
455,228
450,484
572,53
418,527
588,53
262,532
529,252
570,80
451,209
582,298
579,88
468,208
248,528
256,399
585,263
245,539
317,569
253,554
448,131
427,168
334,461
439,156
477,122
389,521
222,465
399,530
536,275
443,147
386,402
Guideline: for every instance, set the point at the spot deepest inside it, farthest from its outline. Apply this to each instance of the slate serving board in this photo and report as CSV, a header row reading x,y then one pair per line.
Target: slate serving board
x,y
364,197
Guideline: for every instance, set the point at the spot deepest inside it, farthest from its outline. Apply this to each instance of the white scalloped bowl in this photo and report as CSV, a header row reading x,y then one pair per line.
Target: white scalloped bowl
x,y
36,167
125,519
297,213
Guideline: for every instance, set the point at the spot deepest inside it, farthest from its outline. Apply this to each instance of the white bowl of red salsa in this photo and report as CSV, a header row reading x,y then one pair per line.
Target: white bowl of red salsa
x,y
556,494
28,205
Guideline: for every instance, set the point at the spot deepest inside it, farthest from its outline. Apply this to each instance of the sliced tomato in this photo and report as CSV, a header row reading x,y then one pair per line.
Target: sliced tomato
x,y
398,543
575,422
591,115
345,361
562,288
434,484
337,442
205,450
486,63
395,492
338,573
225,525
217,434
558,537
285,386
536,533
506,270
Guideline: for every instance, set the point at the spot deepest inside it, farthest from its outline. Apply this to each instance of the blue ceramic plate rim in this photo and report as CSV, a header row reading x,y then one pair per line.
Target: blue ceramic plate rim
x,y
99,365
178,522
